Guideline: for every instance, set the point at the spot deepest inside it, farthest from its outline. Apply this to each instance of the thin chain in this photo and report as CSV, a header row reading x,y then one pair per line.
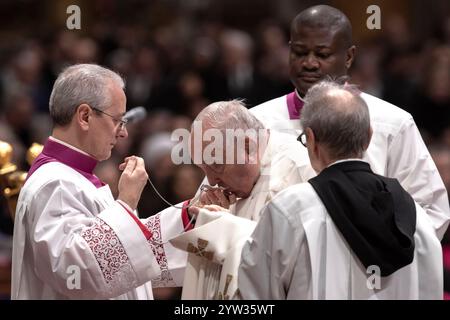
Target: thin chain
x,y
194,201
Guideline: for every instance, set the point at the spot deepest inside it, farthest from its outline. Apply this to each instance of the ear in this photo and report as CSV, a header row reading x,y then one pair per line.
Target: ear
x,y
247,149
370,138
311,140
350,57
251,150
313,150
82,115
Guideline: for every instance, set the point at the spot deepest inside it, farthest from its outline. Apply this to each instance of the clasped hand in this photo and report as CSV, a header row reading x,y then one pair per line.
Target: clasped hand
x,y
132,181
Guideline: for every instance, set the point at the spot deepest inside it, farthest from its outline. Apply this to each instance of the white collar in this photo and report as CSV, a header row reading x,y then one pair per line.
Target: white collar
x,y
70,146
345,160
298,96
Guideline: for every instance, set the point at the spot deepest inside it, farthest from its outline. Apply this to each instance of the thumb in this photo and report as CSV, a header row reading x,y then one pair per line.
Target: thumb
x,y
194,211
130,166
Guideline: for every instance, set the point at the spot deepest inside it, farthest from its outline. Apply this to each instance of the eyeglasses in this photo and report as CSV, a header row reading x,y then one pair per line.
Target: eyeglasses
x,y
122,122
302,139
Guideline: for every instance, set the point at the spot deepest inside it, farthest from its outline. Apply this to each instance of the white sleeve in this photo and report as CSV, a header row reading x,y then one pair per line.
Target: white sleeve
x,y
218,238
164,226
109,252
218,244
272,258
410,162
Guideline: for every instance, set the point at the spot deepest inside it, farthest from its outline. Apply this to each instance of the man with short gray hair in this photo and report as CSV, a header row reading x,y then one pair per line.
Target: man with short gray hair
x,y
336,109
72,239
351,234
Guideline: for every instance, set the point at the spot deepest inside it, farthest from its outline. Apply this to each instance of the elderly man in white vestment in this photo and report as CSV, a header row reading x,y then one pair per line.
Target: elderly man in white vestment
x,y
321,45
347,233
250,166
72,239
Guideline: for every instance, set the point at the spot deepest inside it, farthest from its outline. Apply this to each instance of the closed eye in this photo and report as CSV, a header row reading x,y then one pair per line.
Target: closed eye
x,y
323,55
217,167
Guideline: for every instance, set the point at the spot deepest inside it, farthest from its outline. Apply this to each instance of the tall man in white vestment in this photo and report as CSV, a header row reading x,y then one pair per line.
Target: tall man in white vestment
x,y
346,233
72,239
321,45
250,165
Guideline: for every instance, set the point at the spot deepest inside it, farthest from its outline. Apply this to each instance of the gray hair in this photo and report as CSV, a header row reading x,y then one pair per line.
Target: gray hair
x,y
78,84
339,118
231,114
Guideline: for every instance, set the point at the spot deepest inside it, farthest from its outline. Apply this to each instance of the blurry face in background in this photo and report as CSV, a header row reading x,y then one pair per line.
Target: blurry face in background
x,y
314,54
19,114
437,75
163,168
439,85
186,180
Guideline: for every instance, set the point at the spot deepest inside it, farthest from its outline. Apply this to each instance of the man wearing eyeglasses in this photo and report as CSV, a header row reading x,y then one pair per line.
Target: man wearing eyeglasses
x,y
72,239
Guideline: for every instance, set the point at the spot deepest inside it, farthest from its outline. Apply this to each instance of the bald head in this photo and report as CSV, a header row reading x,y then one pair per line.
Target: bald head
x,y
324,17
320,47
339,119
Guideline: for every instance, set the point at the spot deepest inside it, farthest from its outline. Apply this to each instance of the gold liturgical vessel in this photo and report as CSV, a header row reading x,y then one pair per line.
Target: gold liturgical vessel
x,y
12,180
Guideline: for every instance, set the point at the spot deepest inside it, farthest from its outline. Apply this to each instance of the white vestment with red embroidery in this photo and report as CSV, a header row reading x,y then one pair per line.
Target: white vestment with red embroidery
x,y
72,240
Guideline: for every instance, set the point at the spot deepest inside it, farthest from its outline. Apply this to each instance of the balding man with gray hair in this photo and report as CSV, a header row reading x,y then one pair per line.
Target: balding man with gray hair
x,y
72,239
338,117
351,234
250,165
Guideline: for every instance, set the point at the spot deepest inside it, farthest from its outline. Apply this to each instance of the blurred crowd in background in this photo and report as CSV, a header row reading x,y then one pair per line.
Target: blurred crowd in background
x,y
179,56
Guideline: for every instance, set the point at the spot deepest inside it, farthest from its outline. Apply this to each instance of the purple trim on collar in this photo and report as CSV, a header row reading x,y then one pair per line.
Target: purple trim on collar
x,y
54,151
294,105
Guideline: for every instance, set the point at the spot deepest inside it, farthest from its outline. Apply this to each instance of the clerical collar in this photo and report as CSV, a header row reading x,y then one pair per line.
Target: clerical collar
x,y
294,104
69,146
59,151
69,155
345,160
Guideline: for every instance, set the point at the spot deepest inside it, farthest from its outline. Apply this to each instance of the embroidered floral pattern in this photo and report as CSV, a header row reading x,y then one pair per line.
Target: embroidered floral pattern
x,y
166,279
110,254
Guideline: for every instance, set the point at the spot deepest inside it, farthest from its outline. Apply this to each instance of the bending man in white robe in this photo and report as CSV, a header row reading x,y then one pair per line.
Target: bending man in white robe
x,y
249,163
71,238
348,233
321,45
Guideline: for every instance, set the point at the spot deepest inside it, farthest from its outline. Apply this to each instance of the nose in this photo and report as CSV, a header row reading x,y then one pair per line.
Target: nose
x,y
310,62
213,179
123,132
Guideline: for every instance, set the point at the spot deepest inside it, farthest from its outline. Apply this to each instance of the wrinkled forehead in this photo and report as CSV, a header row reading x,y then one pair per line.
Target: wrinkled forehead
x,y
202,136
212,145
207,145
